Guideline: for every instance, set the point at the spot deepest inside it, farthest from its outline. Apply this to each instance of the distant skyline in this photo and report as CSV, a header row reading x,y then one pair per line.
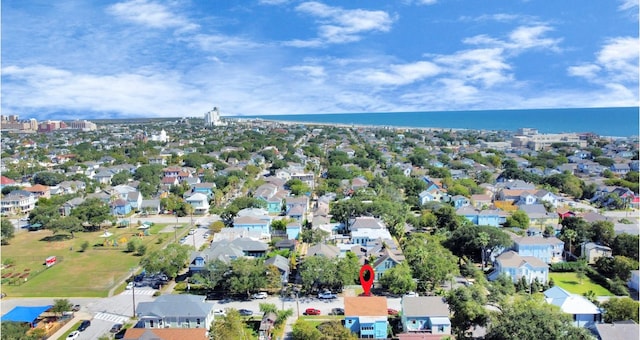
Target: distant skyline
x,y
141,58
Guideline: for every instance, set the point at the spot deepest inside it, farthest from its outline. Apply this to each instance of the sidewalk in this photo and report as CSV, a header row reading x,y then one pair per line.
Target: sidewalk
x,y
77,316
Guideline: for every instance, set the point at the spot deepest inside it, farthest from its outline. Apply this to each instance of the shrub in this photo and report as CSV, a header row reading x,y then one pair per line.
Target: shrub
x,y
141,250
84,246
563,267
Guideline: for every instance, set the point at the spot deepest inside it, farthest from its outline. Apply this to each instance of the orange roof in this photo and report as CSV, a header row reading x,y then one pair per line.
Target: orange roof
x,y
504,205
365,306
167,333
37,188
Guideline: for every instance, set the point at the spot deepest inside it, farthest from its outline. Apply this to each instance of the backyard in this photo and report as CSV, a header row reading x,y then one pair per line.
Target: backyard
x,y
89,273
571,283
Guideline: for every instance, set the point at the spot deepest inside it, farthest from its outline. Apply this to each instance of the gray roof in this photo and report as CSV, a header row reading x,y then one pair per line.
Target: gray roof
x,y
175,305
424,306
323,250
511,259
618,330
279,261
247,244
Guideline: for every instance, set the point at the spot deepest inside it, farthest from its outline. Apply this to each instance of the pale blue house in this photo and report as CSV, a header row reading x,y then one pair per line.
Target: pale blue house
x,y
425,314
518,267
366,316
293,230
494,217
546,249
120,207
385,262
252,223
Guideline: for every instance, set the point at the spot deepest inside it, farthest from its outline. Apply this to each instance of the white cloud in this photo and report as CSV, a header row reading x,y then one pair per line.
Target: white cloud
x,y
616,62
339,25
273,2
481,66
148,13
498,17
146,92
628,5
395,75
520,39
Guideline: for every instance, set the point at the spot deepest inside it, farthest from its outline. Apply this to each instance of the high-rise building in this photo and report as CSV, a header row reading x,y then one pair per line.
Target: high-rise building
x,y
83,125
212,118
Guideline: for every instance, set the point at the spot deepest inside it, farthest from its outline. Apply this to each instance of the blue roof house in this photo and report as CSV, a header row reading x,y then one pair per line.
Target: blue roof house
x,y
366,316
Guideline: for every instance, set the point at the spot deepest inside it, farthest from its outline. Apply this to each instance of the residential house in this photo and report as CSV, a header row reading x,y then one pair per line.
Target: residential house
x,y
68,206
546,249
296,207
425,314
592,251
584,312
199,202
18,202
385,261
620,169
282,263
517,267
493,217
253,223
480,201
459,201
366,316
151,206
6,181
322,249
266,325
293,230
203,188
251,248
175,311
617,330
120,207
165,334
39,190
103,177
538,215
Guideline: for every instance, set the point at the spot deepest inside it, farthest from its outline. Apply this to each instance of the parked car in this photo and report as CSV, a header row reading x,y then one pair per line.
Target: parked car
x,y
84,325
245,312
260,295
219,312
75,308
411,294
129,286
326,295
73,335
392,311
116,328
312,311
337,311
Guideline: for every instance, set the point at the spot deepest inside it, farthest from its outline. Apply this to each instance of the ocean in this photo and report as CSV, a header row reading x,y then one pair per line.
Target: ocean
x,y
613,122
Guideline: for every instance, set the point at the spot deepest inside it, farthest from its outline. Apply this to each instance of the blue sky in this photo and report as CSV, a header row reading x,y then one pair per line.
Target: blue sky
x,y
146,58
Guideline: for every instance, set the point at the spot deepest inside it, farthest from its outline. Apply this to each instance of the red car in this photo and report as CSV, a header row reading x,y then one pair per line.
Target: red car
x,y
312,311
392,311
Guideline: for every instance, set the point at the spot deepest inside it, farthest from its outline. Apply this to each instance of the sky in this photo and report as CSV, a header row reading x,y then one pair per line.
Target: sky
x,y
145,58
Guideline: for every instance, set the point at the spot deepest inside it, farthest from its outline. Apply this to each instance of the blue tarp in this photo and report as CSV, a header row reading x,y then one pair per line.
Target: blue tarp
x,y
25,314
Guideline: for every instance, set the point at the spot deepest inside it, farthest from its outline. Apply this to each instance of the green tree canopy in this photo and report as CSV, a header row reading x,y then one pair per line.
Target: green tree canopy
x,y
518,219
398,280
169,260
7,230
231,326
620,309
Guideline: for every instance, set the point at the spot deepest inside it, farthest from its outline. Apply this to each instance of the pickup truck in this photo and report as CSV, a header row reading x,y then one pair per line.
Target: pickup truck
x,y
326,295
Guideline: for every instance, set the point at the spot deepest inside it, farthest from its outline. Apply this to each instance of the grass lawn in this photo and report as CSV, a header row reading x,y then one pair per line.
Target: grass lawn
x,y
571,283
81,274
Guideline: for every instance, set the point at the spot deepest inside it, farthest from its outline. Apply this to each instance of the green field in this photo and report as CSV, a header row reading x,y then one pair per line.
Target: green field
x,y
571,283
91,273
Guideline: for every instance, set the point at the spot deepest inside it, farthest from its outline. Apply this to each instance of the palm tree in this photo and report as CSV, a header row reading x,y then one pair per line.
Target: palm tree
x,y
570,235
483,239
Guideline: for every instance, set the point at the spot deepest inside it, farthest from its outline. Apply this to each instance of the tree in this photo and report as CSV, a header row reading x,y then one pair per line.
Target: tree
x,y
570,236
467,306
446,218
626,245
334,330
318,272
68,224
93,211
398,279
349,269
430,262
518,219
121,177
230,326
169,260
247,276
304,330
501,288
465,241
18,331
616,267
620,309
279,225
61,305
528,317
7,231
483,240
281,315
48,178
603,232
215,273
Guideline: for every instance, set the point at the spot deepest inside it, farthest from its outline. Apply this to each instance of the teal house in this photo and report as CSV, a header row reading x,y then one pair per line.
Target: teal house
x,y
366,316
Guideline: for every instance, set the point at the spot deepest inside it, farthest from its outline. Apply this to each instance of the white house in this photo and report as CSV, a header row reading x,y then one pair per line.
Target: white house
x,y
584,312
199,202
517,267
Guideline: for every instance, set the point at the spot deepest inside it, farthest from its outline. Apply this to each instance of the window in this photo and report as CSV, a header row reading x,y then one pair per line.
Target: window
x,y
198,322
440,328
150,323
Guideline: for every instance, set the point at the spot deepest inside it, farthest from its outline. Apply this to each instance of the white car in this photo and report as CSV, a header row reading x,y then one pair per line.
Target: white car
x,y
129,286
326,295
261,295
73,335
411,294
219,312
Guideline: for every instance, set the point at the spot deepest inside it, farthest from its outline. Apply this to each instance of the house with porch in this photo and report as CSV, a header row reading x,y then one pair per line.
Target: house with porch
x,y
175,311
546,249
366,316
200,203
282,263
517,267
426,314
584,312
592,251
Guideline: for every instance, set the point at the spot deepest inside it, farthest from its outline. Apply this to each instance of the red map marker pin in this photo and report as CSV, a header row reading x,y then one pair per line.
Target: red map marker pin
x,y
366,278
